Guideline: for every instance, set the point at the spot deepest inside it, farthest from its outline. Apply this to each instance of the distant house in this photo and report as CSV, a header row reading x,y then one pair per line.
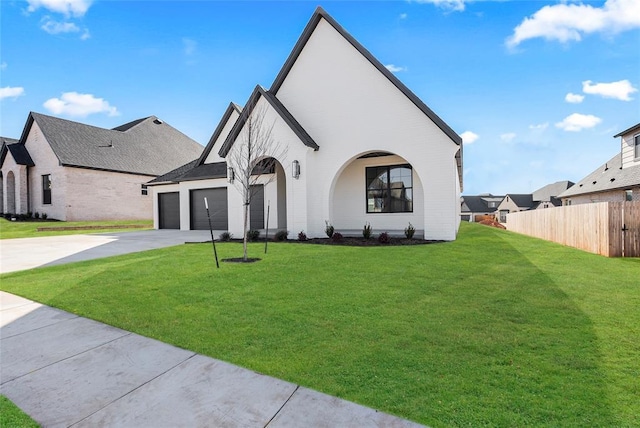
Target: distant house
x,y
547,196
617,180
472,206
72,171
361,148
513,202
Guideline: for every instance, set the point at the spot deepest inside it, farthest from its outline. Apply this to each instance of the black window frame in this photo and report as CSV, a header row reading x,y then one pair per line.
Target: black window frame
x,y
374,171
46,189
144,190
636,143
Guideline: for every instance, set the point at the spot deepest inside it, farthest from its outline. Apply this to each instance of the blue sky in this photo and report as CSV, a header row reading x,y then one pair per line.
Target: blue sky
x,y
537,88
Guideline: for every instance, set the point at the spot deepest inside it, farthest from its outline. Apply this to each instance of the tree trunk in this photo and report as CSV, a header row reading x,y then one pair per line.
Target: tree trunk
x,y
246,231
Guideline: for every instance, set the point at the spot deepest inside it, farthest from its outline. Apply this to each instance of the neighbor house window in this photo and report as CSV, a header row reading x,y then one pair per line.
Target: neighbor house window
x,y
636,141
46,189
389,189
503,216
143,189
628,195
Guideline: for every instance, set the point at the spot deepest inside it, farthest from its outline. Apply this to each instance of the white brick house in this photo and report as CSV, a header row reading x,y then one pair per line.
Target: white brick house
x,y
361,148
72,171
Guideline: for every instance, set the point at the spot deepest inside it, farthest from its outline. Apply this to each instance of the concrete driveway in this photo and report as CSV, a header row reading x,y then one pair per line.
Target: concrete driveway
x,y
28,253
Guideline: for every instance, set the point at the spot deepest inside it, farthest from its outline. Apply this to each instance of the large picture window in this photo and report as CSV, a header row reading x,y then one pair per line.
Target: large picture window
x,y
389,189
46,189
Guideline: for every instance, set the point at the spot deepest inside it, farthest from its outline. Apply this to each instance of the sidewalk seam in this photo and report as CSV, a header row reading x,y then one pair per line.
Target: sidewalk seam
x,y
282,407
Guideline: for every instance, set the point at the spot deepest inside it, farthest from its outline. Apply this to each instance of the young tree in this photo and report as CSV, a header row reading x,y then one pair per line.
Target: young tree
x,y
252,159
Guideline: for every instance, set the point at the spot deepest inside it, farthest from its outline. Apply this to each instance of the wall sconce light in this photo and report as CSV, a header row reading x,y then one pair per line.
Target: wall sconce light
x,y
230,175
295,169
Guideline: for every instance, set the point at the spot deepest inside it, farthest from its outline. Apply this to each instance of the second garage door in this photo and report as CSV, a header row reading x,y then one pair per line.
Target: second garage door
x,y
217,199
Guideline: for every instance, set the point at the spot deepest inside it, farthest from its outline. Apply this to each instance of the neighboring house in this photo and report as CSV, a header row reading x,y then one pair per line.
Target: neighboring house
x,y
361,147
472,206
71,171
547,196
513,203
617,180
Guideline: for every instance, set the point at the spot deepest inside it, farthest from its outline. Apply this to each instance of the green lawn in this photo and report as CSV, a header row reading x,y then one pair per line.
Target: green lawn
x,y
493,329
28,229
12,417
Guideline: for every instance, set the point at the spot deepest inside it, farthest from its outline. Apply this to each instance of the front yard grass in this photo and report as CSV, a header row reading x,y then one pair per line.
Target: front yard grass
x,y
494,329
29,229
12,417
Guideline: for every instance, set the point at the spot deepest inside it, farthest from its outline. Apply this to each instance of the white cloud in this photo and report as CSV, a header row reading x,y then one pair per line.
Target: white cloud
x,y
469,137
54,27
619,90
570,21
394,68
577,122
80,105
3,66
508,137
539,127
455,5
403,16
66,7
11,92
85,34
574,98
189,45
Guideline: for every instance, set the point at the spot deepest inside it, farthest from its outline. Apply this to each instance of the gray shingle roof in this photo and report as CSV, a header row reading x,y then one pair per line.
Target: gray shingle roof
x,y
552,190
480,204
610,176
20,154
193,171
146,146
522,200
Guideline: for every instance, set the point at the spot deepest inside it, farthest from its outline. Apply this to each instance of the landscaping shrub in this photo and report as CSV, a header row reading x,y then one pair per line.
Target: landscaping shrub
x,y
44,216
336,237
384,238
253,235
366,231
36,215
409,231
281,235
302,236
225,236
328,229
29,214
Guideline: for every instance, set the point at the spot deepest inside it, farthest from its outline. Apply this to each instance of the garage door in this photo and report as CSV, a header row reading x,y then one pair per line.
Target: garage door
x,y
256,209
217,199
169,210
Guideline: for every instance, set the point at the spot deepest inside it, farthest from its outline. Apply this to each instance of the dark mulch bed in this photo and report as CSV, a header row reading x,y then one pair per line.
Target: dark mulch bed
x,y
350,241
241,260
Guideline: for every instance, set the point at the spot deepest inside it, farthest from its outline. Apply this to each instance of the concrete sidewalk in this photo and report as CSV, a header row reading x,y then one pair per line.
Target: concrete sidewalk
x,y
64,370
29,253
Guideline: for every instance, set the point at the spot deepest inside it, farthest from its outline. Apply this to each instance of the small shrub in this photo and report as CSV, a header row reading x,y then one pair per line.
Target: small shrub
x,y
336,237
225,236
366,231
253,235
384,238
409,231
328,229
44,216
36,215
29,214
302,236
8,216
281,235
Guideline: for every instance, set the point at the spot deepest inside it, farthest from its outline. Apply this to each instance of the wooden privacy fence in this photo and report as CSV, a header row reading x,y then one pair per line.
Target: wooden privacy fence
x,y
611,229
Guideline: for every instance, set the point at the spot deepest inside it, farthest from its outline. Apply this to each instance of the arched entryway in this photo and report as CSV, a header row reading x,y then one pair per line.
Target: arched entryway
x,y
377,188
11,193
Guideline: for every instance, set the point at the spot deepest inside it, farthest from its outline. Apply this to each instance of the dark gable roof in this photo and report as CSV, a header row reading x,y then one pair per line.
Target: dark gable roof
x,y
146,146
20,154
3,148
319,14
550,191
610,176
174,175
627,131
480,203
522,200
192,171
279,108
216,134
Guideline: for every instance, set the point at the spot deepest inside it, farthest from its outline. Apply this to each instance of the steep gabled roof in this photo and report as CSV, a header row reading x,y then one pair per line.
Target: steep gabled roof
x,y
319,14
279,108
610,176
552,190
522,200
233,107
146,146
480,203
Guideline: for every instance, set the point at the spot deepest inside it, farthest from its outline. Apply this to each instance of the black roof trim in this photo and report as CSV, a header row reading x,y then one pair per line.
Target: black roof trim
x,y
626,131
216,134
319,14
258,92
